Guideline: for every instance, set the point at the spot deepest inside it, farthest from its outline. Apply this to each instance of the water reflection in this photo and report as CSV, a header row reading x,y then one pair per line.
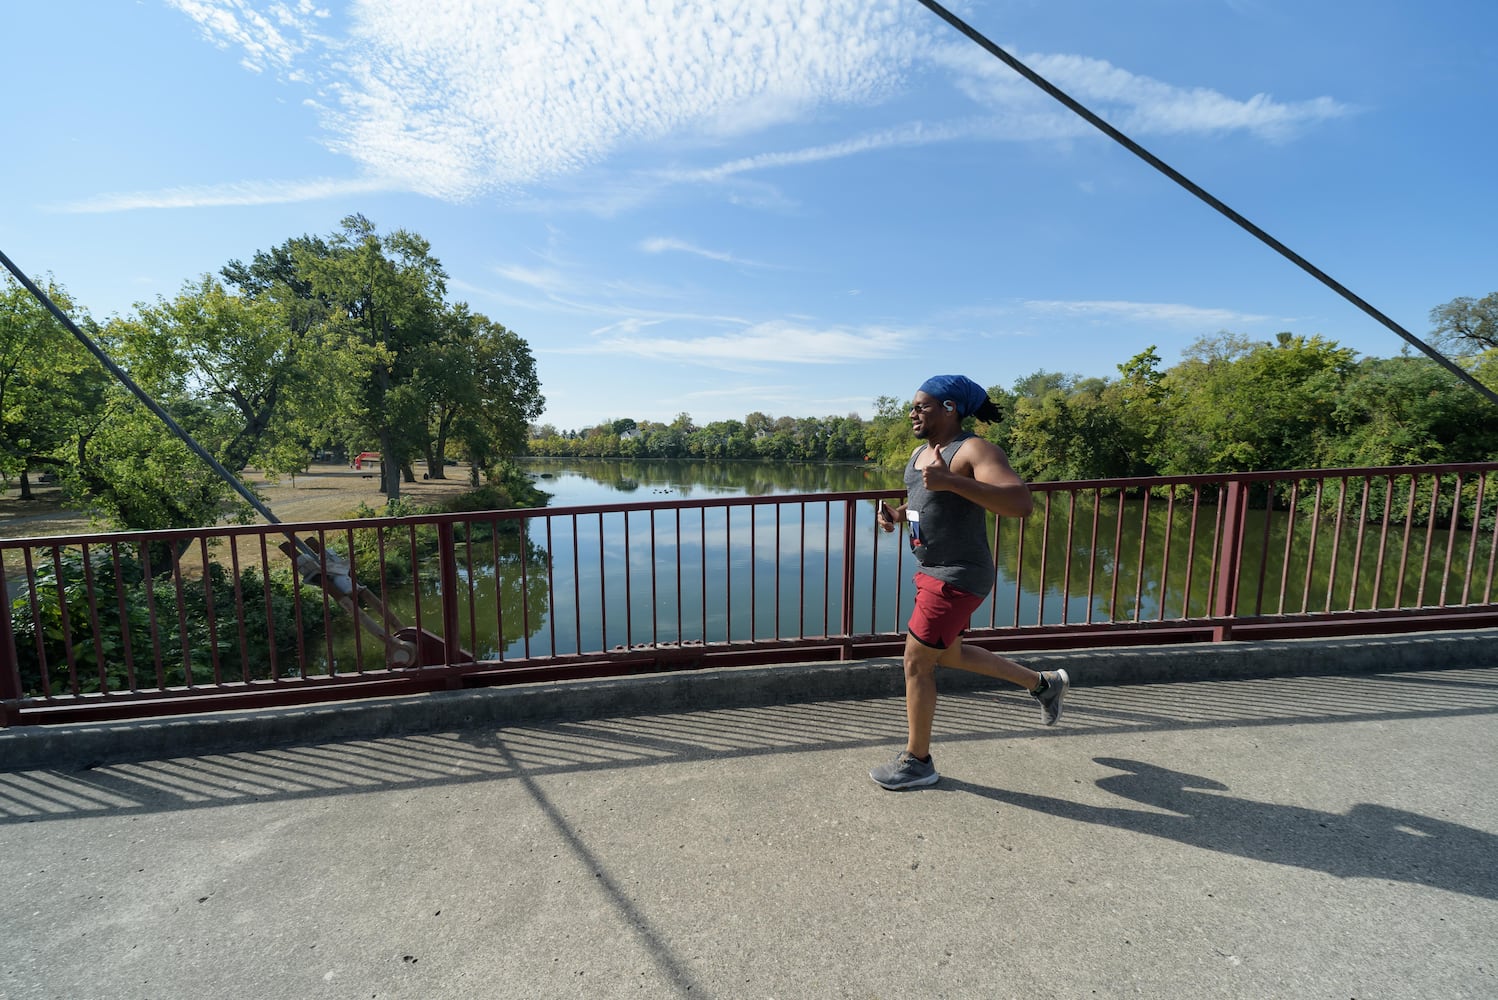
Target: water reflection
x,y
581,482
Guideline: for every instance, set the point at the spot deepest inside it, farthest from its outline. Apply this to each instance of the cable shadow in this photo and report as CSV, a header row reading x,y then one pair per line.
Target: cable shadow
x,y
1368,841
455,758
671,968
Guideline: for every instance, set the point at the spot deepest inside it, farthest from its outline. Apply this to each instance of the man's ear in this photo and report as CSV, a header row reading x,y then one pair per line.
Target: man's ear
x,y
947,405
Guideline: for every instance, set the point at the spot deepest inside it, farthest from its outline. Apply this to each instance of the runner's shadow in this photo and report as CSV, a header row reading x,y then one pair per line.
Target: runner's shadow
x,y
1368,841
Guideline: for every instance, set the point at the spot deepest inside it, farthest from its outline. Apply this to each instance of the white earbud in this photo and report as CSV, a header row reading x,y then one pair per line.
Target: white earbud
x,y
947,405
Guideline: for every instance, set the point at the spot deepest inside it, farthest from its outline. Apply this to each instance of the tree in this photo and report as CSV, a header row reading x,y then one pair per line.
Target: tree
x,y
247,355
887,437
720,439
386,294
1070,435
1408,411
1039,383
845,438
492,391
47,383
1467,323
1140,396
1234,405
448,384
129,469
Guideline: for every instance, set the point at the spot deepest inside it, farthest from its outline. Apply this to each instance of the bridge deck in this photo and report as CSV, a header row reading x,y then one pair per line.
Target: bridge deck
x,y
1312,836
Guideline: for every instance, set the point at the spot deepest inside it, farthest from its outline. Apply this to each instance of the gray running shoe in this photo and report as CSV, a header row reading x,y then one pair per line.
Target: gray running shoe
x,y
906,772
1051,699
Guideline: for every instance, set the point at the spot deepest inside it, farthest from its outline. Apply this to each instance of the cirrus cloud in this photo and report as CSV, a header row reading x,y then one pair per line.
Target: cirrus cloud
x,y
458,99
769,344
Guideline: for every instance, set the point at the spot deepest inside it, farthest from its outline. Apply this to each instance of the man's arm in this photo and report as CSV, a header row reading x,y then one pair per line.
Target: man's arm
x,y
992,484
887,516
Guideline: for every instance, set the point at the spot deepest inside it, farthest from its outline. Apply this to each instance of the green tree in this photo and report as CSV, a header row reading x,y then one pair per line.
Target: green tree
x,y
131,471
1467,324
845,438
1140,395
485,391
1063,435
251,356
1042,382
1408,411
887,437
720,439
1234,405
386,293
47,382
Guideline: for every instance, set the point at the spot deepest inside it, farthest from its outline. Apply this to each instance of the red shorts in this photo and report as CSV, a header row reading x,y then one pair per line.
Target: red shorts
x,y
942,612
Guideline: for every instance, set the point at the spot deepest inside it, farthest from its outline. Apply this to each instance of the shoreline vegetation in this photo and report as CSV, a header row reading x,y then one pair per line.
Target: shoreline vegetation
x,y
1231,405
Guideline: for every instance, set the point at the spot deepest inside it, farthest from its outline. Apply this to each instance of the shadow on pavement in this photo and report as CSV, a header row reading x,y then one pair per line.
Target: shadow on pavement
x,y
1368,841
519,752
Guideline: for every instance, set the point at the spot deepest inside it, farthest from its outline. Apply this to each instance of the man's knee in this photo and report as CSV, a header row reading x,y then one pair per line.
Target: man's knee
x,y
920,659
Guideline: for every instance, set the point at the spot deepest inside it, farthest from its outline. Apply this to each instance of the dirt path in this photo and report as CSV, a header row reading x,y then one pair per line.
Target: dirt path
x,y
325,492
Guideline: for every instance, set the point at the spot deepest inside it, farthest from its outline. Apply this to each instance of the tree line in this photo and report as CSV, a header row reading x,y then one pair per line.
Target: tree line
x,y
344,342
795,439
1232,404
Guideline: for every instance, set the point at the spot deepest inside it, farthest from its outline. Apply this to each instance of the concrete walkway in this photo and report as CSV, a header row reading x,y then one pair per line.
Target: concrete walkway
x,y
1297,836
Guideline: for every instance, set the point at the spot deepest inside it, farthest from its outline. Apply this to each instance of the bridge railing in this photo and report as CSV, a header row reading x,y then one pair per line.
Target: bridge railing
x,y
138,624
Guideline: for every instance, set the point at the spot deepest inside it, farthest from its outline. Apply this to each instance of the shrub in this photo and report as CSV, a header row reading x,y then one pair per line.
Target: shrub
x,y
127,602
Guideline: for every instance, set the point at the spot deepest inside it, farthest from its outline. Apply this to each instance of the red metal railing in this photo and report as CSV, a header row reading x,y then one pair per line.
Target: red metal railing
x,y
142,624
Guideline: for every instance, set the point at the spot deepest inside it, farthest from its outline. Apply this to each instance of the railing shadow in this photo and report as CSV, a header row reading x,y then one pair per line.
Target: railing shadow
x,y
509,753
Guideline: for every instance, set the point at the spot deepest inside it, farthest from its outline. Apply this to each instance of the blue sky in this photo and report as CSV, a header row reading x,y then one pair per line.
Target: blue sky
x,y
792,207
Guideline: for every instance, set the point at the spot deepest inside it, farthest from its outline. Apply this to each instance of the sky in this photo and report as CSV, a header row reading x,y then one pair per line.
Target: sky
x,y
717,207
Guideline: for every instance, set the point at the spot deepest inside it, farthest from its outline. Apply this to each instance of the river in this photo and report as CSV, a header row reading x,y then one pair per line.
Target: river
x,y
576,482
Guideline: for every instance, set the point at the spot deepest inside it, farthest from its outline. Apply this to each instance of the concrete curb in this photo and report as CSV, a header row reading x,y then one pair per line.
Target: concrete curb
x,y
83,745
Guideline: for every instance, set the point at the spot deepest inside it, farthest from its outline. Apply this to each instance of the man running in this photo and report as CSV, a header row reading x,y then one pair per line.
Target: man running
x,y
952,482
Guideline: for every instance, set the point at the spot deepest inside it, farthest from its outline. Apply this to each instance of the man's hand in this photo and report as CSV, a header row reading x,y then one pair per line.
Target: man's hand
x,y
936,476
887,516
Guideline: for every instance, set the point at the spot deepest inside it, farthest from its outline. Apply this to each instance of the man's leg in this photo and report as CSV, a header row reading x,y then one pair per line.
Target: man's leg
x,y
942,610
920,694
921,662
977,660
1049,688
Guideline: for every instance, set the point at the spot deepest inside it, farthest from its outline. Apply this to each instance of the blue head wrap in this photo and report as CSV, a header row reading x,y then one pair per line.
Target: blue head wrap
x,y
964,393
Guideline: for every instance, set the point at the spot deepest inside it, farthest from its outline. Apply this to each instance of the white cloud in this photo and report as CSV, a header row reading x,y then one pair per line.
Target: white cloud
x,y
771,400
273,39
543,279
914,134
772,343
461,98
1135,104
664,244
1145,312
240,193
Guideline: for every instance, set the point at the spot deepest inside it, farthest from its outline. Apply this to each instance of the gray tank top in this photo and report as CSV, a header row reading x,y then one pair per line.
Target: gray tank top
x,y
948,533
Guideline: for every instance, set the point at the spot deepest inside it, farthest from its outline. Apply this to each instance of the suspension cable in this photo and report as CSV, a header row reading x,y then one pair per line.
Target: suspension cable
x,y
1185,182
